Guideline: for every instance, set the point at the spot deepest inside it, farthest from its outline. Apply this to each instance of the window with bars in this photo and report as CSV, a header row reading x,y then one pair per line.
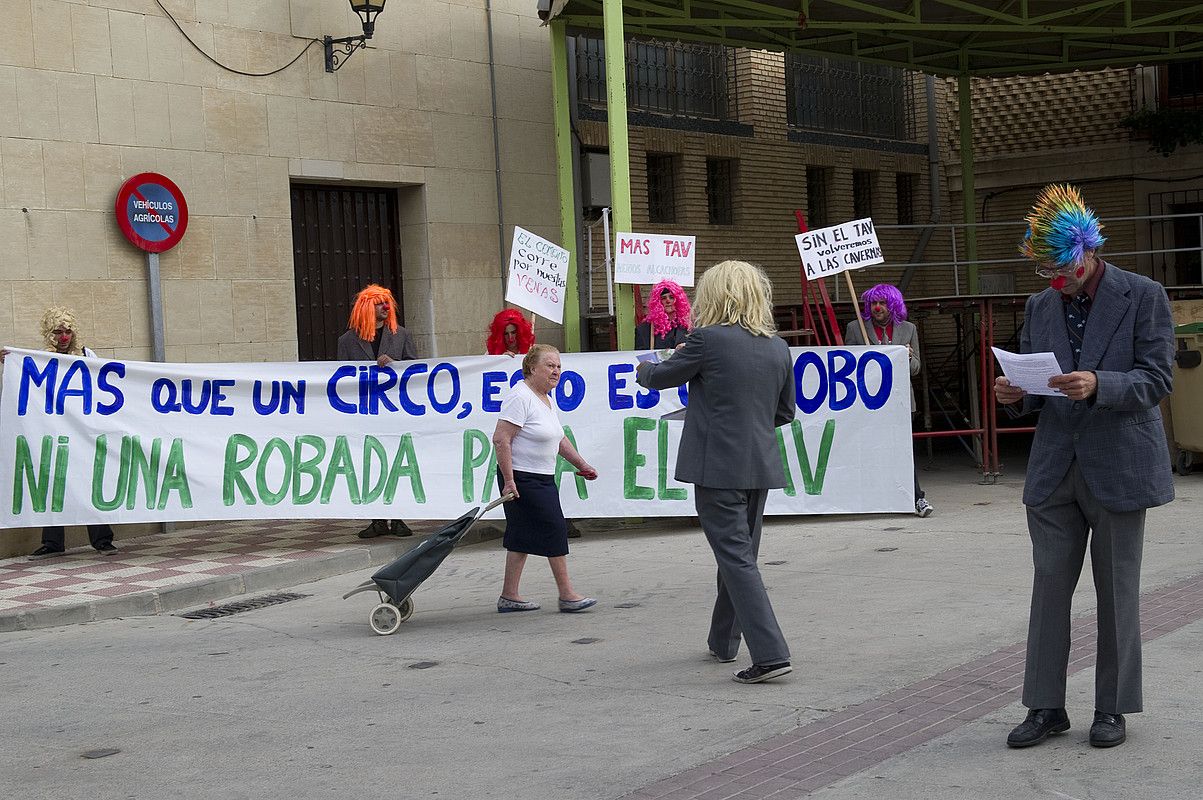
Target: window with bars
x,y
862,193
905,184
720,190
661,187
817,181
1183,83
676,78
831,94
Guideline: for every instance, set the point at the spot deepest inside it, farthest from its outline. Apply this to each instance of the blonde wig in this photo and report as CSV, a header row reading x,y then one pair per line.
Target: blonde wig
x,y
735,293
534,356
363,313
61,317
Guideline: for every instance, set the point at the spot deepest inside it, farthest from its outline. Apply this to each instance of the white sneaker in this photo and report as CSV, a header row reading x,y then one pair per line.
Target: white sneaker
x,y
923,508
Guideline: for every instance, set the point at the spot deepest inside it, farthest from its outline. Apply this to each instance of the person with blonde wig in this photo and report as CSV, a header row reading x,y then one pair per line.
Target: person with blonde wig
x,y
374,335
741,388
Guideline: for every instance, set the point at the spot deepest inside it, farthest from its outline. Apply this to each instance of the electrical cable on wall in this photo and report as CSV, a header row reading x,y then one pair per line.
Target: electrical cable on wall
x,y
200,50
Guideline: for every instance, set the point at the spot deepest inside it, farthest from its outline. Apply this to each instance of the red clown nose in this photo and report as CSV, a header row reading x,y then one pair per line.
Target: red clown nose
x,y
1058,282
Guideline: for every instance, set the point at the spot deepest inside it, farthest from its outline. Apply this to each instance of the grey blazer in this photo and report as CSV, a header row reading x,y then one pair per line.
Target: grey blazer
x,y
399,345
1116,436
741,387
905,334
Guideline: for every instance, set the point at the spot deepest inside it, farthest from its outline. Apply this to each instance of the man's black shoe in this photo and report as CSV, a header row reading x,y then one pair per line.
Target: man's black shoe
x,y
106,549
398,528
759,673
379,527
1040,723
45,551
1107,730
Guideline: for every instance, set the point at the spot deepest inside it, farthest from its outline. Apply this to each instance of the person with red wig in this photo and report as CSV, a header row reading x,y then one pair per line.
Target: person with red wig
x,y
668,318
510,334
374,335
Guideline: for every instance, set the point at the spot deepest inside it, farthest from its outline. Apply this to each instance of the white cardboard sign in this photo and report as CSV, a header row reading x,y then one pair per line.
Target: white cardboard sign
x,y
538,276
830,251
651,258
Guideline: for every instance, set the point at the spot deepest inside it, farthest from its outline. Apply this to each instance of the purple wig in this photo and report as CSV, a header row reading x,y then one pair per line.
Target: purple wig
x,y
891,296
661,324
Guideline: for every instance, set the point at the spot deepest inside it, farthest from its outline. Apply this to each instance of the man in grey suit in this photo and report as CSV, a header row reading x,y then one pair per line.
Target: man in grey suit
x,y
1112,335
741,387
374,335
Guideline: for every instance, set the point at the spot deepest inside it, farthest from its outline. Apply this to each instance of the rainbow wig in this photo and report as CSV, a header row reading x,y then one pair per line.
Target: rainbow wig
x,y
661,324
363,313
1060,228
495,344
61,316
891,296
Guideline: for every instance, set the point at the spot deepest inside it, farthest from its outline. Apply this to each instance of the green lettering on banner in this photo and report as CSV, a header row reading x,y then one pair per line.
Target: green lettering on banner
x,y
813,482
476,452
340,465
37,478
269,497
373,448
307,467
60,474
98,470
632,459
175,477
142,468
563,465
234,465
676,493
789,489
405,464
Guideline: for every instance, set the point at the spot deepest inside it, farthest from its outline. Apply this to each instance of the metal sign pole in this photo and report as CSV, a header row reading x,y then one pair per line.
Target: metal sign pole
x,y
156,306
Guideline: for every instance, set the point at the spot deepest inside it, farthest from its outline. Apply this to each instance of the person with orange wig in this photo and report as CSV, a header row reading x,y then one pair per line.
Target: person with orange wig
x,y
374,335
510,334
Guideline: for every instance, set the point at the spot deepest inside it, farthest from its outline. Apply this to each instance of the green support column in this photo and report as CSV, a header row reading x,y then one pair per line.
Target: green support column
x,y
565,153
968,194
620,157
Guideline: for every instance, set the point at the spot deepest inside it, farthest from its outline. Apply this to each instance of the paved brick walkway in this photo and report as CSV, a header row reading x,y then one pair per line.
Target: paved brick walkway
x,y
816,755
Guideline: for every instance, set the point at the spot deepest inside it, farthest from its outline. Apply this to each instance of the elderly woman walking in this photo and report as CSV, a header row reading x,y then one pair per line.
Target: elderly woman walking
x,y
528,439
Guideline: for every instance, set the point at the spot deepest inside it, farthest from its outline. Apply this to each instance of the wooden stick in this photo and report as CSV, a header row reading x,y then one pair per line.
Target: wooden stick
x,y
864,332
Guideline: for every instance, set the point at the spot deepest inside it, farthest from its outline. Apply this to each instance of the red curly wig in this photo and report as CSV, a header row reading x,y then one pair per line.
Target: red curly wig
x,y
495,344
363,313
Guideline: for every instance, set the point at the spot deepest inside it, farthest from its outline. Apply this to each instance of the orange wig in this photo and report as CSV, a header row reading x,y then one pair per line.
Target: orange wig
x,y
363,313
495,344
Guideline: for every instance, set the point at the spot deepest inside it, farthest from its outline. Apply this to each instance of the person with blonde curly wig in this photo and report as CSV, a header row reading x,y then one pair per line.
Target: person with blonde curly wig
x,y
668,318
374,335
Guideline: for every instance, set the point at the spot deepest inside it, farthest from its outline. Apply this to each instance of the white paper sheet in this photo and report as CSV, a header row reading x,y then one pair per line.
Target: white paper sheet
x,y
1030,371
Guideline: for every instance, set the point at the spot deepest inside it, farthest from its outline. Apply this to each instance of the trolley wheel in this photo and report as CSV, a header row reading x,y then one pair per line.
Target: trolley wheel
x,y
385,618
1185,462
406,608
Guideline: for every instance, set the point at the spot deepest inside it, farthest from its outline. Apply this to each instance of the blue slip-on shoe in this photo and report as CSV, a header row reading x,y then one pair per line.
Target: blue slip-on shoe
x,y
506,605
575,606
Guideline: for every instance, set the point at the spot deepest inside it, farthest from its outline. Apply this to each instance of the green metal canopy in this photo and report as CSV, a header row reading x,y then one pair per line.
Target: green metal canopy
x,y
943,37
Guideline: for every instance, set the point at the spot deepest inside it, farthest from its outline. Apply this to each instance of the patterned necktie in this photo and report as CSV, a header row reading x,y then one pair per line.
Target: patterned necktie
x,y
1076,312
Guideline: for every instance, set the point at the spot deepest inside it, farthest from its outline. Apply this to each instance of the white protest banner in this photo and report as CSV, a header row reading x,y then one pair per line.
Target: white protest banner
x,y
650,258
86,440
538,276
830,251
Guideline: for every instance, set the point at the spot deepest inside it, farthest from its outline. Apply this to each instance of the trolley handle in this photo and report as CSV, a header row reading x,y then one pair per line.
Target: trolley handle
x,y
505,498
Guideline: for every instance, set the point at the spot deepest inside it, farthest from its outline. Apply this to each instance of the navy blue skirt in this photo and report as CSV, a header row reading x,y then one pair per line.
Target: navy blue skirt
x,y
534,523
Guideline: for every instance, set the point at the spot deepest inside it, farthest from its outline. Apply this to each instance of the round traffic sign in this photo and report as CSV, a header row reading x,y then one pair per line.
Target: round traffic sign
x,y
152,212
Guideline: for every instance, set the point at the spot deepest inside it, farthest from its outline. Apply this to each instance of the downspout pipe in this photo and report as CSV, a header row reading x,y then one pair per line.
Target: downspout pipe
x,y
933,184
496,147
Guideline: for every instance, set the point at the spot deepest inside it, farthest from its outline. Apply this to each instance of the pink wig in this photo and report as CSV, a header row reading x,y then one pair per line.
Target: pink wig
x,y
891,296
661,324
495,344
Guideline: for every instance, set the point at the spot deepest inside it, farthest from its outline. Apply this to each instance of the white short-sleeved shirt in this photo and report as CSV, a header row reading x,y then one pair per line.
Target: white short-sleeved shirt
x,y
536,446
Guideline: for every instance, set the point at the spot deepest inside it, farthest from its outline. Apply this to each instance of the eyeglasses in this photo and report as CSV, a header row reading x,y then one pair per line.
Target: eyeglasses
x,y
1046,272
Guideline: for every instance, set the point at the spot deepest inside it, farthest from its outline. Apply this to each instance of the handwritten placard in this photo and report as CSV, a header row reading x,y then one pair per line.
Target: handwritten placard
x,y
538,276
830,251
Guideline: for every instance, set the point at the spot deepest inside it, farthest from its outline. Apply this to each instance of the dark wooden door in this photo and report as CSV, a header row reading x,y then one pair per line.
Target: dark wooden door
x,y
343,238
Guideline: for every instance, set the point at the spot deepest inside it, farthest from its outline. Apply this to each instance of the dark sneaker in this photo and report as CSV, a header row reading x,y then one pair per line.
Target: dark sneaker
x,y
1108,730
573,531
923,508
759,673
1039,725
106,549
398,527
721,659
379,527
45,551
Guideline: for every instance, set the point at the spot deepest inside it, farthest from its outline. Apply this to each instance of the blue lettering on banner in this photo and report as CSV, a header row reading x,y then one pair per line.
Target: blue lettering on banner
x,y
618,383
835,385
104,385
336,402
489,391
451,402
412,408
570,391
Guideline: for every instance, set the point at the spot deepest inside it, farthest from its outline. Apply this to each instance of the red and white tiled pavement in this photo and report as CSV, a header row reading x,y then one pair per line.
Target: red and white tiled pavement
x,y
168,559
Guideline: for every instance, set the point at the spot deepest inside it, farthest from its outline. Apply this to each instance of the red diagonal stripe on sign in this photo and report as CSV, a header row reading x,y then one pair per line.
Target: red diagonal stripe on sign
x,y
138,195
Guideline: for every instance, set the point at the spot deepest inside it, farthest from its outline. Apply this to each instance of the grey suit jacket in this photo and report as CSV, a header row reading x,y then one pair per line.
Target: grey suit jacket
x,y
399,345
1116,436
905,334
741,387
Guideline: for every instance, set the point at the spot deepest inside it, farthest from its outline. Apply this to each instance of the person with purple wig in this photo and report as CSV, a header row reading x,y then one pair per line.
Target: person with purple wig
x,y
884,313
668,318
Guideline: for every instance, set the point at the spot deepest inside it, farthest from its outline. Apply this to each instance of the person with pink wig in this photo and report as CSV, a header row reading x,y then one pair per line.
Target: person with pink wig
x,y
374,335
884,313
510,334
668,318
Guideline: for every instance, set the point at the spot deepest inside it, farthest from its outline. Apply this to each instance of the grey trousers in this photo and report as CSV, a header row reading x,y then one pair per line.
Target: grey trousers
x,y
731,520
1060,528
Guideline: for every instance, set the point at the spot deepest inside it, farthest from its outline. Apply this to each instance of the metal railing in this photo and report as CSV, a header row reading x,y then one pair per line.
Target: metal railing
x,y
834,95
1168,86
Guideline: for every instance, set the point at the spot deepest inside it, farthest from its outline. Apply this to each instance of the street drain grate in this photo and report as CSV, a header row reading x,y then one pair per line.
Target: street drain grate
x,y
243,605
